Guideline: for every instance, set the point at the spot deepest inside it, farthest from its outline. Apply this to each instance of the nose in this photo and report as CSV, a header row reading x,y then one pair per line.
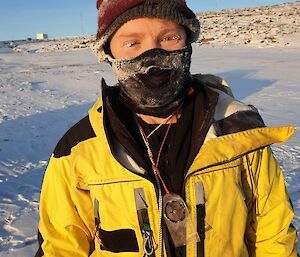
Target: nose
x,y
151,44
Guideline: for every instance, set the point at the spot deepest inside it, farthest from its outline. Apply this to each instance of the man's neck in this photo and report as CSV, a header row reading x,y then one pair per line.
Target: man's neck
x,y
156,120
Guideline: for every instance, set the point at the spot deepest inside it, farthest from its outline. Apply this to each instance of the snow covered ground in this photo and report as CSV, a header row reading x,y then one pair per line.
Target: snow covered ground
x,y
43,94
275,25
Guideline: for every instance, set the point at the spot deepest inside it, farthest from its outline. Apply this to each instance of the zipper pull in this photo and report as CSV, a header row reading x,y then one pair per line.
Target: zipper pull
x,y
142,213
97,221
148,242
200,208
96,213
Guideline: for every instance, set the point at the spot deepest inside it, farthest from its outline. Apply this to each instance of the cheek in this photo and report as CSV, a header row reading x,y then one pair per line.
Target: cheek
x,y
125,54
118,51
182,44
114,50
172,47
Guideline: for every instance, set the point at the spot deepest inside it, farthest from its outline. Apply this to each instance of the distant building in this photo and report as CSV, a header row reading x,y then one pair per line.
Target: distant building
x,y
41,36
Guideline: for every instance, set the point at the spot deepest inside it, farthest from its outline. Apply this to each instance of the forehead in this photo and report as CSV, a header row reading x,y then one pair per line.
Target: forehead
x,y
144,25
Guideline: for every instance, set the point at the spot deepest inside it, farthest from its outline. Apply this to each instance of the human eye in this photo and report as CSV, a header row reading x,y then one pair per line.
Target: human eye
x,y
129,44
171,38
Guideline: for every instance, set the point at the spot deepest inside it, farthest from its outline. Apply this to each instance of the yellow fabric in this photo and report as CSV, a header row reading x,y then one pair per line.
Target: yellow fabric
x,y
245,197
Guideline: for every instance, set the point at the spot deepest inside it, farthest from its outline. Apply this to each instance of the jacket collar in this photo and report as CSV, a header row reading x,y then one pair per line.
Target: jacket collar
x,y
229,147
217,148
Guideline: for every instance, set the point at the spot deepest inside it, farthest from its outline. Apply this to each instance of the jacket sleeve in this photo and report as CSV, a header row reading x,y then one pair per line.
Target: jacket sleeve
x,y
62,231
269,230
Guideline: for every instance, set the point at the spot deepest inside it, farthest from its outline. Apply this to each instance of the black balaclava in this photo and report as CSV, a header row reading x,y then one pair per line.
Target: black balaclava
x,y
154,83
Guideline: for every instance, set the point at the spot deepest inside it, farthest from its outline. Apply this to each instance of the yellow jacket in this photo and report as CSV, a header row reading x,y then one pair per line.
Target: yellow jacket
x,y
248,211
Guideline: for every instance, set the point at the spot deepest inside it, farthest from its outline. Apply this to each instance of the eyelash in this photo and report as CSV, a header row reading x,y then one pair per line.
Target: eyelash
x,y
170,38
130,44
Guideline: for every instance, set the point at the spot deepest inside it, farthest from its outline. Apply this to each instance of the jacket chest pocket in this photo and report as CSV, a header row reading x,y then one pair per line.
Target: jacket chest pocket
x,y
226,210
119,231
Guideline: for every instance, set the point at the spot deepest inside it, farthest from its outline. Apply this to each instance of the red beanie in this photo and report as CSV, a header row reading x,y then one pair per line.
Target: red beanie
x,y
113,13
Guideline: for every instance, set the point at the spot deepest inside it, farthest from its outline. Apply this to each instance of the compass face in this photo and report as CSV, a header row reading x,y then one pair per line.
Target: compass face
x,y
175,211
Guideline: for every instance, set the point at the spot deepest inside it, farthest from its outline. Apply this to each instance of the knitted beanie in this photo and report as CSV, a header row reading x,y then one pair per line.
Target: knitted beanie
x,y
112,14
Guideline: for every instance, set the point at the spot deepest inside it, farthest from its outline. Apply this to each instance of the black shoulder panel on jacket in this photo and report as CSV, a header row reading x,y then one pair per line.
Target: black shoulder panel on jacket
x,y
79,132
240,121
40,252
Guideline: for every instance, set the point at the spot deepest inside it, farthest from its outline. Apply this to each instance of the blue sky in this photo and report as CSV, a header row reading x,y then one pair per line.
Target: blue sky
x,y
21,19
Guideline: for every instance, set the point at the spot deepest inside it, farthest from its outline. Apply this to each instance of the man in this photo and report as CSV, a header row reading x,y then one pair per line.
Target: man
x,y
166,163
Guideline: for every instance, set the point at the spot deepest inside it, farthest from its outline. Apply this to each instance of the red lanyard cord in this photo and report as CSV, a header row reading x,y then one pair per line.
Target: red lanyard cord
x,y
150,155
155,168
